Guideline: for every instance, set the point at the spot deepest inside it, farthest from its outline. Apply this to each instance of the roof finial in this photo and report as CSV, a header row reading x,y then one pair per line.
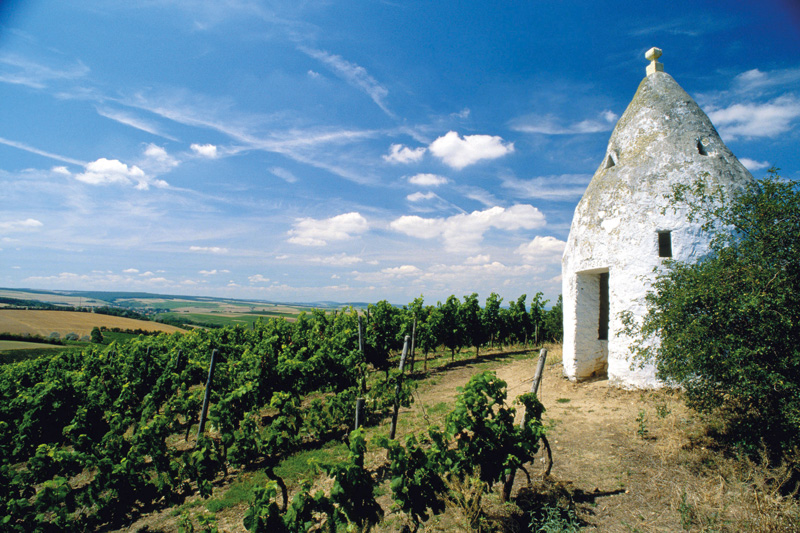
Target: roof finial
x,y
652,55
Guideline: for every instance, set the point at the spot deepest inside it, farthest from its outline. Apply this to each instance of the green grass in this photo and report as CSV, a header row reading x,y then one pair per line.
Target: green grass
x,y
6,346
222,319
293,470
118,337
13,356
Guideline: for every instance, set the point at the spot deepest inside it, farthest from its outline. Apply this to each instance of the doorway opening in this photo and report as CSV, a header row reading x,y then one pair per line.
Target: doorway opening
x,y
592,321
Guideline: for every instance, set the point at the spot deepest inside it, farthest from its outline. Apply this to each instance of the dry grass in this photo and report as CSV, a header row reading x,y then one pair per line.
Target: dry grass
x,y
37,322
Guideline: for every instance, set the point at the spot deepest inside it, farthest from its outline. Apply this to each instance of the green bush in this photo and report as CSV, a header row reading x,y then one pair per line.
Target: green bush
x,y
729,324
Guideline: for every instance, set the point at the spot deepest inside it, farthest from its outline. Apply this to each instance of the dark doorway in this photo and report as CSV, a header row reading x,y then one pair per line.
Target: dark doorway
x,y
602,329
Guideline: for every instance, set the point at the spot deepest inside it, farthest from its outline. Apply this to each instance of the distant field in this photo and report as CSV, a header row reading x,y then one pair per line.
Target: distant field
x,y
20,345
228,319
43,323
55,298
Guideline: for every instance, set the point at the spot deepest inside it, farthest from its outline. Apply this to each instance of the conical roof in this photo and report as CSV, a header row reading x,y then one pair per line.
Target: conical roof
x,y
663,138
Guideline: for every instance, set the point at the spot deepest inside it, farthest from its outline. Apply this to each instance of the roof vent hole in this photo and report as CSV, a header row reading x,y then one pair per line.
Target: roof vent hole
x,y
701,146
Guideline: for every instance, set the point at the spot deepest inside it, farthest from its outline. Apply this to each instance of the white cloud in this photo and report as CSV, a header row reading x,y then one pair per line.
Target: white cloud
x,y
477,260
258,278
542,250
209,249
106,171
284,174
403,270
403,154
755,80
132,121
131,271
43,153
20,225
756,120
427,180
64,171
205,150
459,152
313,232
560,187
752,165
156,159
551,125
19,70
418,196
341,259
353,74
208,272
464,232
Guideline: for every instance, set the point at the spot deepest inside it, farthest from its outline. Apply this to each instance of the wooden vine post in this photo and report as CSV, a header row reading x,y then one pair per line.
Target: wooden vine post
x,y
398,388
537,379
207,395
413,342
362,384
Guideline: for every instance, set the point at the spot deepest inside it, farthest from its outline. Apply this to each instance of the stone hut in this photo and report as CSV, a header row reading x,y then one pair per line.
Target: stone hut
x,y
619,234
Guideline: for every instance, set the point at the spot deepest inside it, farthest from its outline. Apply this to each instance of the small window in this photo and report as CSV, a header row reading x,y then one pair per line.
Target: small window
x,y
664,244
609,162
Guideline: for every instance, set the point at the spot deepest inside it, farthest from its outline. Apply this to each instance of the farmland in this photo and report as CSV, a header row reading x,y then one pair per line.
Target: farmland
x,y
109,436
36,322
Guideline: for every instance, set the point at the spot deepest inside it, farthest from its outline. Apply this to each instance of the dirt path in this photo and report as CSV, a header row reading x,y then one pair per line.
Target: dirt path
x,y
610,446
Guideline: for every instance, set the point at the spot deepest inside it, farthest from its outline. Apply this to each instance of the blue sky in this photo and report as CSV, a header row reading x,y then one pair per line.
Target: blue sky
x,y
347,151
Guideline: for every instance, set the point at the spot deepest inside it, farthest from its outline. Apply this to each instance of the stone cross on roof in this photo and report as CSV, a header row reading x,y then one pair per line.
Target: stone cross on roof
x,y
652,55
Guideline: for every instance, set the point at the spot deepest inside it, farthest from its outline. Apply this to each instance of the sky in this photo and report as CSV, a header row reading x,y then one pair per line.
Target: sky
x,y
346,151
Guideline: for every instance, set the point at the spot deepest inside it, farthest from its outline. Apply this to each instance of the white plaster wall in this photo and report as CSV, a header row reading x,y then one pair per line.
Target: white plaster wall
x,y
654,146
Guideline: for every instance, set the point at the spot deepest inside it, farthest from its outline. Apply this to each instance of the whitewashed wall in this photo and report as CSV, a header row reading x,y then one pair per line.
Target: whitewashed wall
x,y
662,139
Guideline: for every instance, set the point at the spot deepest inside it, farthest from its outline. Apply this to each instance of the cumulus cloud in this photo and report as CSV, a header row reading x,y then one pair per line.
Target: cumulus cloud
x,y
477,260
756,120
156,159
463,232
208,249
131,271
403,154
20,225
756,80
205,150
418,196
341,259
459,152
313,232
64,171
258,278
107,171
403,270
752,165
552,125
427,180
542,250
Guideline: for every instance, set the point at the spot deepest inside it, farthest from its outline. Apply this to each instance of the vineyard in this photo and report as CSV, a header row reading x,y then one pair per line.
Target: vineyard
x,y
87,438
